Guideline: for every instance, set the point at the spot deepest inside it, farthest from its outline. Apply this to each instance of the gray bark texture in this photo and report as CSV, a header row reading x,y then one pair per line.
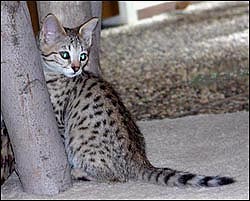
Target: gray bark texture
x,y
25,104
73,14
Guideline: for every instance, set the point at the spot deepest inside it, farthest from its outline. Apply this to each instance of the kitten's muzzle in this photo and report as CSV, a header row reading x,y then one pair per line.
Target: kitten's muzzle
x,y
75,68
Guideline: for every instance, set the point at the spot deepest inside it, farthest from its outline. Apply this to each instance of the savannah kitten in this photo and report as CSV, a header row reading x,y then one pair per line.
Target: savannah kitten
x,y
102,141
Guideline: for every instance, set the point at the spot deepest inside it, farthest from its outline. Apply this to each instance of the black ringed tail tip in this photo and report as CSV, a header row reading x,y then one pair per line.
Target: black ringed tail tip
x,y
225,180
216,181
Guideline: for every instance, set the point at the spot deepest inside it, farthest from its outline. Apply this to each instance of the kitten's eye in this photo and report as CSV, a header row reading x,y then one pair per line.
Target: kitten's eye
x,y
83,57
64,55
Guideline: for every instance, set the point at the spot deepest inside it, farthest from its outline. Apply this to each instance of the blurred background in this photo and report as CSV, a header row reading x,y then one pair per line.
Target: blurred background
x,y
175,58
130,12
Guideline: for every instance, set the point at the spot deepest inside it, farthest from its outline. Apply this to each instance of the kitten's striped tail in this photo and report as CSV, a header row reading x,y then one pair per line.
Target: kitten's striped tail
x,y
166,176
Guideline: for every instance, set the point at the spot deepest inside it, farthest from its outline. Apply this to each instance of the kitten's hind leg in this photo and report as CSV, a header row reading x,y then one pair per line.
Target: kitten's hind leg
x,y
99,175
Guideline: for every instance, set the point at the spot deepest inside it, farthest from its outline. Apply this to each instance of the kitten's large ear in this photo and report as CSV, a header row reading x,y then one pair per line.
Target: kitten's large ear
x,y
87,29
51,30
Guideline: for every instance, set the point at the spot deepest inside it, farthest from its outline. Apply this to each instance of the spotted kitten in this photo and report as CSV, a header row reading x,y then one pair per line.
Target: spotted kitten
x,y
102,141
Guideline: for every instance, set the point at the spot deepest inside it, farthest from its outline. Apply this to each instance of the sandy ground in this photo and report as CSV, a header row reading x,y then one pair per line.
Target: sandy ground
x,y
206,144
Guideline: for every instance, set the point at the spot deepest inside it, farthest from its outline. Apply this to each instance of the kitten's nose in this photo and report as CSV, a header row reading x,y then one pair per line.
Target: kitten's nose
x,y
75,68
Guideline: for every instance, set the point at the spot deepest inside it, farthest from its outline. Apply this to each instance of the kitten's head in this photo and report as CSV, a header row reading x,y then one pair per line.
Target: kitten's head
x,y
65,50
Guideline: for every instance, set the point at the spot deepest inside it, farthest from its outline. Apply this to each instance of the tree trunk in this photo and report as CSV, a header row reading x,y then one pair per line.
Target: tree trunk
x,y
72,14
25,104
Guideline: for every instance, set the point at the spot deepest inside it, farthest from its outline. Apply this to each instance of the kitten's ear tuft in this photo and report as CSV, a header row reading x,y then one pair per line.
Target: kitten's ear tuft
x,y
87,29
51,30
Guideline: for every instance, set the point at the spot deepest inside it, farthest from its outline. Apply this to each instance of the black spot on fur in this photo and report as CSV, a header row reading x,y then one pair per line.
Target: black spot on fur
x,y
183,179
101,152
225,180
77,104
83,128
105,134
158,175
79,80
167,177
129,147
86,150
74,79
150,175
71,126
204,181
97,98
98,112
60,103
88,94
71,139
117,131
52,80
82,179
80,92
74,91
92,160
84,143
109,112
91,86
68,92
97,124
94,145
109,96
98,105
112,122
82,120
75,115
102,87
114,102
92,138
85,107
105,141
120,137
78,149
108,150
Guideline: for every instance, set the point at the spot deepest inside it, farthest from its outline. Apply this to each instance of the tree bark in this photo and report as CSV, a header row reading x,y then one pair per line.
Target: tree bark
x,y
72,14
40,156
